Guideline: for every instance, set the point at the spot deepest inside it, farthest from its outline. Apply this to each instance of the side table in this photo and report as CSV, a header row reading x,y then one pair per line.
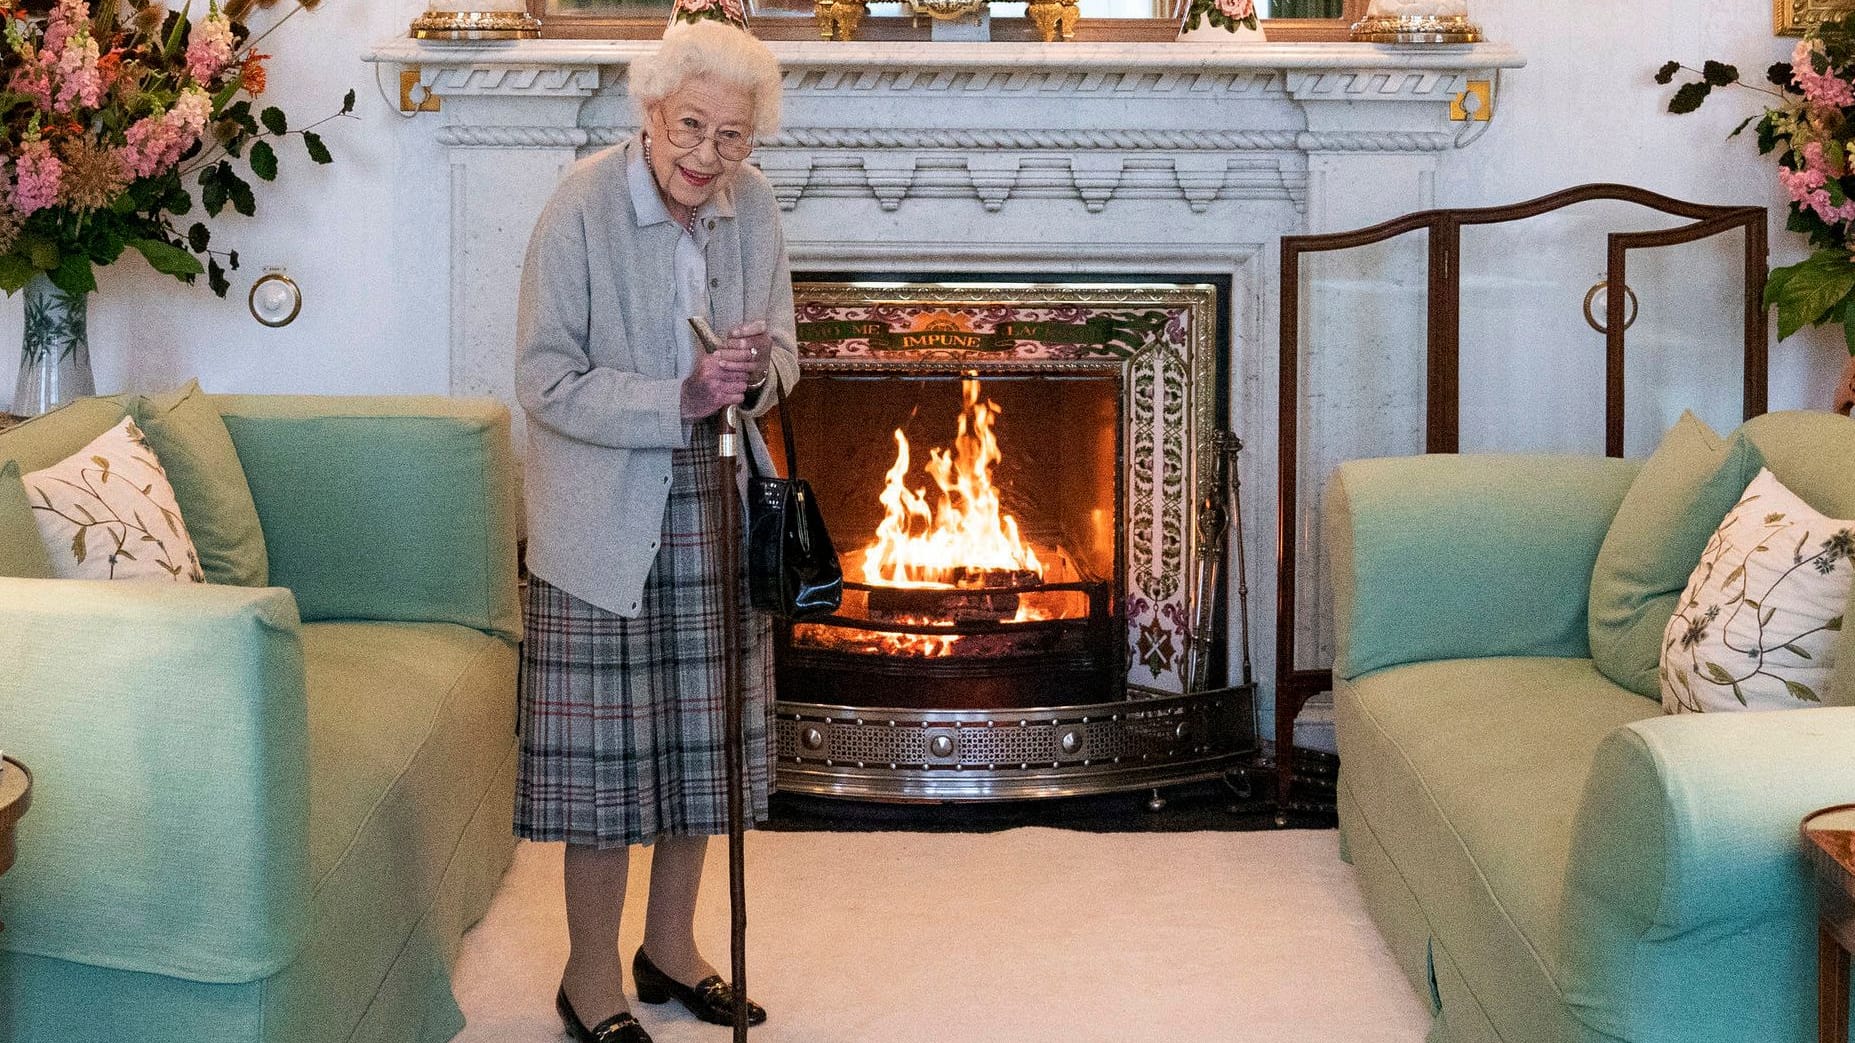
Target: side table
x,y
15,798
1829,837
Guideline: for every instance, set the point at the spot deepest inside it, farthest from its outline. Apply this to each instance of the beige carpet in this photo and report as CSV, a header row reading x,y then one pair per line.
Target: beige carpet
x,y
1025,936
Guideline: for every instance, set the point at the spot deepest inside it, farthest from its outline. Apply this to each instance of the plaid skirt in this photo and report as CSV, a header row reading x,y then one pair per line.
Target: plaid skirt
x,y
623,731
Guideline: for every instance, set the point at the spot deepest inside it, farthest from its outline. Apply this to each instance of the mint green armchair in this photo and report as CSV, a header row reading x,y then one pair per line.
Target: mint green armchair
x,y
268,814
1547,855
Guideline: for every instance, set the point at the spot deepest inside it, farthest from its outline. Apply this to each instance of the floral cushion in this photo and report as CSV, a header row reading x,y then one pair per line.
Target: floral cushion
x,y
1756,627
108,512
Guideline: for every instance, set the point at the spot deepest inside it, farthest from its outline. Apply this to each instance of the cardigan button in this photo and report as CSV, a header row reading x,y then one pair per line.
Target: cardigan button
x,y
711,224
713,283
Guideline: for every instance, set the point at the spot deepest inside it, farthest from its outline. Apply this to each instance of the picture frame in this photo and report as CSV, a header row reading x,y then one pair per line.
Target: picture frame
x,y
1796,17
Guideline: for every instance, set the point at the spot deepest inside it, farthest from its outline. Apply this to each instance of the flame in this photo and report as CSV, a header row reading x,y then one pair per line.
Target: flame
x,y
963,535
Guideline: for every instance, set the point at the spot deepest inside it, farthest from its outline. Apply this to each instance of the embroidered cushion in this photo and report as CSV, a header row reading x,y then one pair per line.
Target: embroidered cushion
x,y
1757,626
108,512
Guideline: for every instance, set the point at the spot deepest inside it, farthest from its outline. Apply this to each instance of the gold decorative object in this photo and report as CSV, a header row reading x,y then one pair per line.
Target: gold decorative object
x,y
1481,111
839,19
1416,29
476,25
1795,17
947,10
1054,17
425,100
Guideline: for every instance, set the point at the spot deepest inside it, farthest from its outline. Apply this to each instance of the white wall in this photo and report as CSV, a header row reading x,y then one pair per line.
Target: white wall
x,y
365,238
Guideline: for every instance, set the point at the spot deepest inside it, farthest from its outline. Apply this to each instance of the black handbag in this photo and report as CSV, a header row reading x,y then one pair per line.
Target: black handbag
x,y
792,569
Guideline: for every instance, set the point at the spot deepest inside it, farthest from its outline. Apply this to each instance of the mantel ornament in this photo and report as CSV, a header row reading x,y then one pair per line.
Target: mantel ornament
x,y
1054,19
1421,22
442,23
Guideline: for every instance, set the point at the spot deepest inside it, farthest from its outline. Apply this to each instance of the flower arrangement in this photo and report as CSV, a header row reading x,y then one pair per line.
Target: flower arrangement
x,y
110,114
1230,15
729,11
1811,130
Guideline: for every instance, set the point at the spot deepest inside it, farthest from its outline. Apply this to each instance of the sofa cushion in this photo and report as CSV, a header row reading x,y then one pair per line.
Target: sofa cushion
x,y
45,440
1685,487
407,723
196,451
1468,772
22,555
107,511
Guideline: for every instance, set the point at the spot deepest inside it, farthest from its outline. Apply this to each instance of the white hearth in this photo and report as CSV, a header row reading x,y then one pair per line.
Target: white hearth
x,y
1062,160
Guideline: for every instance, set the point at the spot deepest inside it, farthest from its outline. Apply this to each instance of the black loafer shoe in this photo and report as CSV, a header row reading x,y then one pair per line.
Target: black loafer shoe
x,y
619,1028
710,999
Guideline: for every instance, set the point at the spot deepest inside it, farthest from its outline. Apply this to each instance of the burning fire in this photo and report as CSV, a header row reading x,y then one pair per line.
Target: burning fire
x,y
966,535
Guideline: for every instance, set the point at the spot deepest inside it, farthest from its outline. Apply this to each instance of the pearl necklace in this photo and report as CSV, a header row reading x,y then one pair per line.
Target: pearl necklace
x,y
689,220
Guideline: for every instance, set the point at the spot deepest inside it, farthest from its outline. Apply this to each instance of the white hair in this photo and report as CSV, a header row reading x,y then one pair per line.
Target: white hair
x,y
714,50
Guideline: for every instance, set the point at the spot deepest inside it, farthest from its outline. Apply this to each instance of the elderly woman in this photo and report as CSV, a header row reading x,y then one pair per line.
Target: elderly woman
x,y
621,704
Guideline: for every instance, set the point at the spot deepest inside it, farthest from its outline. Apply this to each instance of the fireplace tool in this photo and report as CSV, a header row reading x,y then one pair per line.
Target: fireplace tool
x,y
1218,513
733,710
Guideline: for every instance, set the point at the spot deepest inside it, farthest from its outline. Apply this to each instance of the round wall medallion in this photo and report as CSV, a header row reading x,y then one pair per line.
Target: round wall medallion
x,y
275,300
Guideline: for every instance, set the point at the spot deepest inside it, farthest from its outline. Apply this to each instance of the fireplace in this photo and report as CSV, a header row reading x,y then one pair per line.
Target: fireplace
x,y
1013,474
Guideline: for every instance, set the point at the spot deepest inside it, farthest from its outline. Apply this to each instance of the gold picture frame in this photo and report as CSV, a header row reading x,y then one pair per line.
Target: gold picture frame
x,y
1795,17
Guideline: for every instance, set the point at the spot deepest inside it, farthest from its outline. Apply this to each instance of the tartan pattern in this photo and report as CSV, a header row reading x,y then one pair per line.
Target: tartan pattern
x,y
622,720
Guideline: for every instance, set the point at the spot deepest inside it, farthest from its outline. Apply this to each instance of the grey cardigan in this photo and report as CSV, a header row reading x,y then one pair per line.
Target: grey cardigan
x,y
595,365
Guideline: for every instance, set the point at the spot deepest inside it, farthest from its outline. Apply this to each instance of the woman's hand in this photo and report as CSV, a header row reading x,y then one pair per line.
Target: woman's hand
x,y
720,380
753,338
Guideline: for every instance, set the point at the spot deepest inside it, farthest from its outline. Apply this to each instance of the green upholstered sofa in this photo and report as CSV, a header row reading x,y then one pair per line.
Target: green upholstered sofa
x,y
268,814
1549,857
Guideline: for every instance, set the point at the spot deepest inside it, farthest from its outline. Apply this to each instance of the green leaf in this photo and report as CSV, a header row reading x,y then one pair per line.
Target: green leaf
x,y
1739,694
1815,285
239,112
221,99
212,191
1802,691
347,102
15,273
1743,124
74,275
178,32
77,545
264,160
1718,673
166,259
273,120
215,277
1792,648
1764,617
1848,322
44,255
1779,75
1833,624
1666,74
1689,97
1719,74
317,150
199,237
231,260
240,192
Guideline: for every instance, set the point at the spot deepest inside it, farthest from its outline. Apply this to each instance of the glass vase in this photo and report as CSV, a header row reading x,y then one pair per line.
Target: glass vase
x,y
54,358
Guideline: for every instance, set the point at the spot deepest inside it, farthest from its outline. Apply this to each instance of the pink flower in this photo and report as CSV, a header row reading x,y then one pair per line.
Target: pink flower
x,y
69,17
34,81
209,48
79,79
155,143
37,185
1819,88
1237,10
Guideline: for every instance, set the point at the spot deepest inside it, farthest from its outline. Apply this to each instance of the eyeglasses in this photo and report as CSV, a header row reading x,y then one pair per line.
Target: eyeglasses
x,y
690,133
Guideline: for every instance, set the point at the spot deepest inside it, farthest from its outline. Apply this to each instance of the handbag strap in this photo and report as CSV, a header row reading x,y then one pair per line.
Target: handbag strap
x,y
785,430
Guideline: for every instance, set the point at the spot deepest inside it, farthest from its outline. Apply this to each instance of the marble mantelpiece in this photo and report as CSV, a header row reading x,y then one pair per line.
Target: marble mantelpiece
x,y
1065,160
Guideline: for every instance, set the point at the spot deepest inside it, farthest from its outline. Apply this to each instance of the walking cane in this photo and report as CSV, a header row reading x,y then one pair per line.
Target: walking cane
x,y
733,708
